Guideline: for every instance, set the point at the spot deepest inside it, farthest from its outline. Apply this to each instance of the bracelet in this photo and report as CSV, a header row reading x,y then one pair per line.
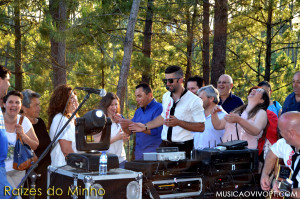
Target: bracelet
x,y
146,126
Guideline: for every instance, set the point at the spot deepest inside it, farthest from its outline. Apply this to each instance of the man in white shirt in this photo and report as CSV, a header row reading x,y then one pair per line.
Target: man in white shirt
x,y
286,148
210,137
182,113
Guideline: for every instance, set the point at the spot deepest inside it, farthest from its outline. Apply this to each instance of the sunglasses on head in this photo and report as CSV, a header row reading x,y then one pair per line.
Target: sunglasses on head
x,y
170,80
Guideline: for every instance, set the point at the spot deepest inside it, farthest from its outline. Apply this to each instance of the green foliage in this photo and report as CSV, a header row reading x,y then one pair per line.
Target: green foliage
x,y
96,32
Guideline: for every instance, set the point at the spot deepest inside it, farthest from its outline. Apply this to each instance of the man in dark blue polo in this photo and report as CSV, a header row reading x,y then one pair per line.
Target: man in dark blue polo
x,y
292,102
148,140
228,101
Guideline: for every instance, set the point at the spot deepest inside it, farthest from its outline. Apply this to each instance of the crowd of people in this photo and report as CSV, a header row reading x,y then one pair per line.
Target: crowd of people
x,y
195,117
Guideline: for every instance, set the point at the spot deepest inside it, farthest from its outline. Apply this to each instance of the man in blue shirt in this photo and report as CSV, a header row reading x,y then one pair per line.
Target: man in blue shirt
x,y
148,140
292,102
4,184
228,101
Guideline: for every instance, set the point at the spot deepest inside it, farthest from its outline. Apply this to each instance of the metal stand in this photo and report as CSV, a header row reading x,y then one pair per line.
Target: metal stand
x,y
30,170
33,176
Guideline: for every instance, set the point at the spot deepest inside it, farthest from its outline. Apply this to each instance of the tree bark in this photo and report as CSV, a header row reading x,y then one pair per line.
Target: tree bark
x,y
190,24
220,38
205,48
269,42
18,47
146,74
128,43
58,10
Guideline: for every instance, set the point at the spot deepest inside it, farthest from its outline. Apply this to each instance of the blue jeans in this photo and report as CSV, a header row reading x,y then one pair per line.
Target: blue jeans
x,y
4,184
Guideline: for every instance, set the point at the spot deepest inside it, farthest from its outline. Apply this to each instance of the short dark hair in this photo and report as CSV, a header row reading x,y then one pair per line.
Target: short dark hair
x,y
27,97
174,69
146,88
14,93
198,79
3,72
265,83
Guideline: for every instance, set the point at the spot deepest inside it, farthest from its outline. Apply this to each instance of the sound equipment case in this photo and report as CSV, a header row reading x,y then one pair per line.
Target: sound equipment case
x,y
169,179
216,162
68,182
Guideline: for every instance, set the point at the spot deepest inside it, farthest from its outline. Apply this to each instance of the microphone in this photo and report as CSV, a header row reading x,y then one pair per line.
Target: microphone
x,y
100,92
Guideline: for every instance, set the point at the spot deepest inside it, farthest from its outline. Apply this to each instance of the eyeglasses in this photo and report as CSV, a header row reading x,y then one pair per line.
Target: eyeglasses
x,y
219,82
170,80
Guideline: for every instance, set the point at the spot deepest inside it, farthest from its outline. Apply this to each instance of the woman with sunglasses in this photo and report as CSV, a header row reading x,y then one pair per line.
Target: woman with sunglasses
x,y
246,122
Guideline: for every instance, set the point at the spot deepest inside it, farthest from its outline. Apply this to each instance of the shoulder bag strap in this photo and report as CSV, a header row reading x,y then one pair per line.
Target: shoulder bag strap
x,y
20,122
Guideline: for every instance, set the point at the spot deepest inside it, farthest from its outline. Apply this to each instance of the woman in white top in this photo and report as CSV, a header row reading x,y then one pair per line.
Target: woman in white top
x,y
110,105
66,142
12,104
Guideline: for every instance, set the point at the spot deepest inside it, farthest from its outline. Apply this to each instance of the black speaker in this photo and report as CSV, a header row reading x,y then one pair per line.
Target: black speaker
x,y
215,162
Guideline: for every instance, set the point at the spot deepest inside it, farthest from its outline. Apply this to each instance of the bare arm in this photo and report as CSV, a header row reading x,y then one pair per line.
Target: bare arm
x,y
215,120
29,137
270,161
139,127
66,146
125,124
260,123
158,121
190,126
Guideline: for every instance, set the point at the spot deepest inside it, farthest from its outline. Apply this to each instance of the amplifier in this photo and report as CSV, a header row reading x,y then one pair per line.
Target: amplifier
x,y
215,186
159,170
177,187
166,149
172,156
68,182
216,162
90,161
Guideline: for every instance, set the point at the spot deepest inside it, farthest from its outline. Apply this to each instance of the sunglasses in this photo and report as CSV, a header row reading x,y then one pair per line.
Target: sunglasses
x,y
171,80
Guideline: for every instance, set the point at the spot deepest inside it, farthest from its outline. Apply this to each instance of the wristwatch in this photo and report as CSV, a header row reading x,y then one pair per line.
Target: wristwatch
x,y
146,126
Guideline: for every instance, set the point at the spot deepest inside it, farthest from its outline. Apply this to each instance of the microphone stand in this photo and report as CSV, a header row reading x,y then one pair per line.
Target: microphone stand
x,y
50,145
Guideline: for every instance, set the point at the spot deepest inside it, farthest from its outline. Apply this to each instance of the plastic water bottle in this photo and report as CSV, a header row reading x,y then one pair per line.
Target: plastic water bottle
x,y
103,163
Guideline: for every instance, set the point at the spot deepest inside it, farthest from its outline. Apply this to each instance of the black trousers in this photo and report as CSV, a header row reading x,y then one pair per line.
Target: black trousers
x,y
186,146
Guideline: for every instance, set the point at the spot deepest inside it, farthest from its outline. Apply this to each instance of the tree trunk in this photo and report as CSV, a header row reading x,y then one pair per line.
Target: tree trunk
x,y
188,47
146,75
18,47
269,42
58,10
205,48
128,43
220,38
190,24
